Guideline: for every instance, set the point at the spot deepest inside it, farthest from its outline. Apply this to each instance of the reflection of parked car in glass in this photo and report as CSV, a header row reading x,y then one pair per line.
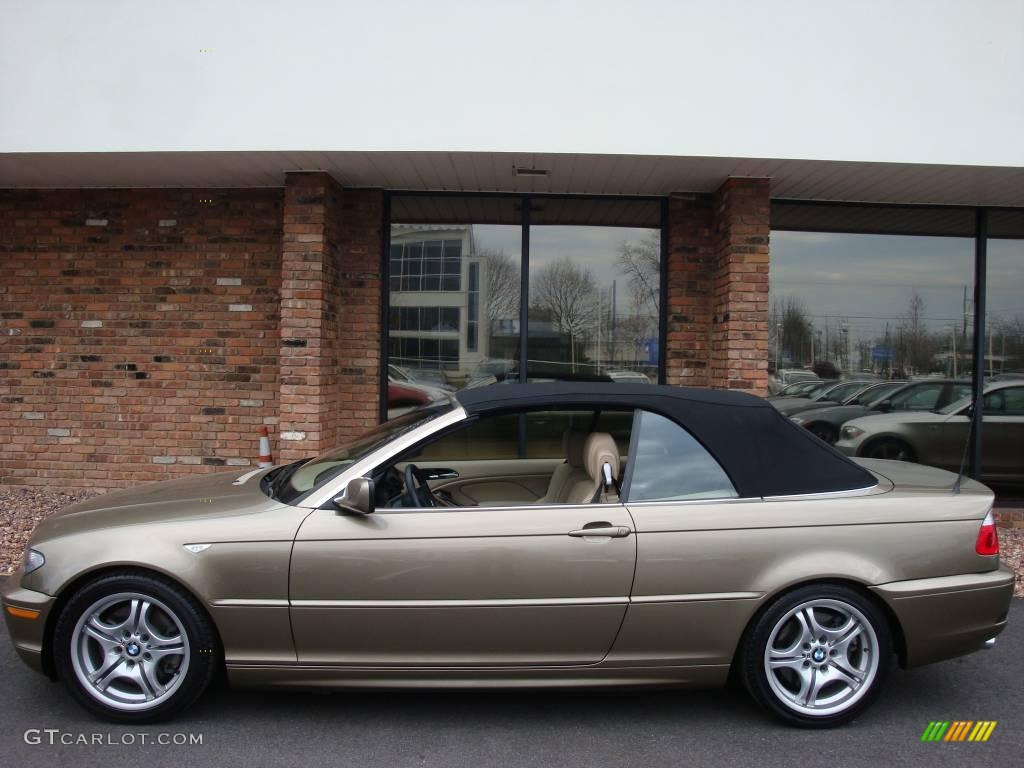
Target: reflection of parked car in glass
x,y
834,394
781,379
926,395
627,377
432,377
404,393
938,438
800,388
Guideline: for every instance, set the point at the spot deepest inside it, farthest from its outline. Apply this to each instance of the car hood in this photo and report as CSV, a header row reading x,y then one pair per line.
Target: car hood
x,y
219,494
791,405
836,414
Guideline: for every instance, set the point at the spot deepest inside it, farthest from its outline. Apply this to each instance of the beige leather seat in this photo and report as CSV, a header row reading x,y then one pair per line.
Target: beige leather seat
x,y
598,449
566,476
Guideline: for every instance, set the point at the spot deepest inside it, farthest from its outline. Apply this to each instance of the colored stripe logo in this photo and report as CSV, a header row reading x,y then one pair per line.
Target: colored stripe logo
x,y
959,730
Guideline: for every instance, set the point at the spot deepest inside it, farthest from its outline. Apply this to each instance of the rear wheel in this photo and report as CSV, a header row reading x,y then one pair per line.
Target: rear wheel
x,y
133,648
818,656
889,448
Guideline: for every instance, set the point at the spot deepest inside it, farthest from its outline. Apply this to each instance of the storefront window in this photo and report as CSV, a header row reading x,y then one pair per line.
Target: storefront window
x,y
1002,433
454,295
455,267
870,306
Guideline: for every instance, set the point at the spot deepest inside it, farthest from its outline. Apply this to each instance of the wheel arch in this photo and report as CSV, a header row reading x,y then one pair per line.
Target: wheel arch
x,y
860,587
74,585
883,437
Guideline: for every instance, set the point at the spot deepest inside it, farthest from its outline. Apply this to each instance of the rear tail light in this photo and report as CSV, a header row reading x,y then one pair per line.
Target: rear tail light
x,y
988,537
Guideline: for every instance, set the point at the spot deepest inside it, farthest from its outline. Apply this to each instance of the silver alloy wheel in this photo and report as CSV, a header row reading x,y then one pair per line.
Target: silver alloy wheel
x,y
130,651
821,657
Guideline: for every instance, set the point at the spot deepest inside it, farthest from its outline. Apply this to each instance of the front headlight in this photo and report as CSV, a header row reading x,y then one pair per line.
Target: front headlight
x,y
33,561
852,433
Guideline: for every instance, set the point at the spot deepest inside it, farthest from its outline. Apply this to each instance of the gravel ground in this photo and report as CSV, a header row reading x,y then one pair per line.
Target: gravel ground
x,y
21,509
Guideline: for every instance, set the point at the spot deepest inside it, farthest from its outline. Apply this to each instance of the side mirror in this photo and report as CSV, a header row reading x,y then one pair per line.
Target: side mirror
x,y
358,497
885,406
969,411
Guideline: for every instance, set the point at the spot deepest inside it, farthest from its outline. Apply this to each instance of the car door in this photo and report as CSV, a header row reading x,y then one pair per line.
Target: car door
x,y
698,549
517,585
1002,435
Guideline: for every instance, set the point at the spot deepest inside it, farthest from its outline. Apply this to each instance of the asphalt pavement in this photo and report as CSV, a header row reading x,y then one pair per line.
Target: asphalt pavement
x,y
543,728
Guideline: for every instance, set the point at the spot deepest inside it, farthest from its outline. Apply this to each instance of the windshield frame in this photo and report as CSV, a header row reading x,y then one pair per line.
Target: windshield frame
x,y
417,419
320,496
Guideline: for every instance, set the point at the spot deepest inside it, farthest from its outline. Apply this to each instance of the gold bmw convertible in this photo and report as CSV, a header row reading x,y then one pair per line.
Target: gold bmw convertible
x,y
523,535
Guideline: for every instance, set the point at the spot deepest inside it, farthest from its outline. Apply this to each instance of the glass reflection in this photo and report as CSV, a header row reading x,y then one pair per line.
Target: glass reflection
x,y
594,303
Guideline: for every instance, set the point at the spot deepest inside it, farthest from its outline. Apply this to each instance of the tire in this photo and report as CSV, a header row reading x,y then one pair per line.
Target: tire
x,y
823,431
135,648
890,448
807,683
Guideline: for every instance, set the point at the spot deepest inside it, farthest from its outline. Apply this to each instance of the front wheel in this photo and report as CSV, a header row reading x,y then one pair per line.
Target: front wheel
x,y
133,648
818,656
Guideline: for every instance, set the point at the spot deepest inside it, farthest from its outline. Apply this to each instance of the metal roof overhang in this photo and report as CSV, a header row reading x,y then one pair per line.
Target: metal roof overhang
x,y
591,174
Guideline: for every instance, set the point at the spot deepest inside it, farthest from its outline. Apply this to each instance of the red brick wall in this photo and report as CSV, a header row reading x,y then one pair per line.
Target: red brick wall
x,y
718,288
691,252
330,314
739,334
138,332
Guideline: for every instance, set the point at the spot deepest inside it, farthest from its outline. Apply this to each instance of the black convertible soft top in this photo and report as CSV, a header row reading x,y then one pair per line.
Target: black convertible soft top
x,y
763,452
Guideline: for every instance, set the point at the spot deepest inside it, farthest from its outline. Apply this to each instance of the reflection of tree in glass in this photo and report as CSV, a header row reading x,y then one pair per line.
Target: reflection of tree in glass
x,y
567,294
502,285
641,264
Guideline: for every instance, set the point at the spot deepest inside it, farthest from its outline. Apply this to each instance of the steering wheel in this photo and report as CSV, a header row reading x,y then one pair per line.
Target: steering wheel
x,y
421,496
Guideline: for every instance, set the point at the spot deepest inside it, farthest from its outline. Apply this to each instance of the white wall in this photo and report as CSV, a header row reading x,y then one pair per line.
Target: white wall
x,y
912,81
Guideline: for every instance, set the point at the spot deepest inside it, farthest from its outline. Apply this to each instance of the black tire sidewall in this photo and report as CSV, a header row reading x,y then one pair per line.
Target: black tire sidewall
x,y
204,655
755,642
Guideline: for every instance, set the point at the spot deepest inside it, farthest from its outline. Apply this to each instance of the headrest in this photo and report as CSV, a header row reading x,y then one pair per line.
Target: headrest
x,y
572,447
600,449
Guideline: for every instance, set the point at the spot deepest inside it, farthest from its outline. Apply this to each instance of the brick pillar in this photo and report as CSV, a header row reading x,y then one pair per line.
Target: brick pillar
x,y
691,253
330,313
739,334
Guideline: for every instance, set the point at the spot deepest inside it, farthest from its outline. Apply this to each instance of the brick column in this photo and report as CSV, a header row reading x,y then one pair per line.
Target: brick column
x,y
739,335
691,252
330,314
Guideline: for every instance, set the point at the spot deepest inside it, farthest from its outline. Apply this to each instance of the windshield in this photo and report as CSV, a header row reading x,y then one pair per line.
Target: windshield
x,y
877,394
306,476
954,407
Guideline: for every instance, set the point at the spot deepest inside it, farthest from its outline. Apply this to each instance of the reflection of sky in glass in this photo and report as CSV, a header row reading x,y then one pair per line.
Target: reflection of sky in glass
x,y
1005,288
866,281
596,247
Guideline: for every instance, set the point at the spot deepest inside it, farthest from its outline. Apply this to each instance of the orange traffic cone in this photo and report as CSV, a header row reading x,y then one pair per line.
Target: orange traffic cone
x,y
266,459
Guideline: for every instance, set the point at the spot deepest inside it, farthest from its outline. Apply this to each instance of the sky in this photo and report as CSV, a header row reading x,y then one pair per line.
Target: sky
x,y
932,81
867,281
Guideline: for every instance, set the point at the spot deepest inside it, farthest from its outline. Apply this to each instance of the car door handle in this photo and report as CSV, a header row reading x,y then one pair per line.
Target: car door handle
x,y
601,529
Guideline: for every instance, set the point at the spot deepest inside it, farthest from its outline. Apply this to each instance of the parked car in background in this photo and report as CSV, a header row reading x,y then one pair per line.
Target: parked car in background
x,y
939,438
925,395
787,376
836,393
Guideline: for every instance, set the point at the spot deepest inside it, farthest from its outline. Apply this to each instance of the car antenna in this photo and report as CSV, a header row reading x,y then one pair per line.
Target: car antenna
x,y
967,445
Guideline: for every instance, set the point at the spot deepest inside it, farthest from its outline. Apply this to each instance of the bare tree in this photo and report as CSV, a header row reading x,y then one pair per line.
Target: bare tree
x,y
567,293
641,264
502,285
796,329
